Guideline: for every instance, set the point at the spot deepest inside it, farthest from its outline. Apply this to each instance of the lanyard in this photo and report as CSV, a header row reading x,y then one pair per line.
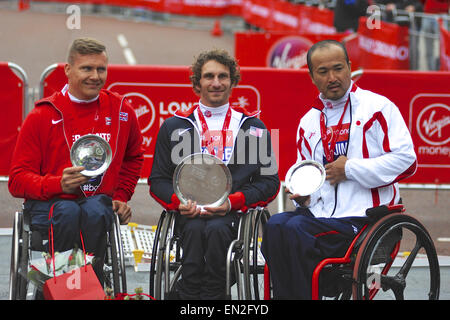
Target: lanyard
x,y
328,148
207,140
91,123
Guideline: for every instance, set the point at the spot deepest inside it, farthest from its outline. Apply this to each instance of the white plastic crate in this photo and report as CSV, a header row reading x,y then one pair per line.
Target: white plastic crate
x,y
137,243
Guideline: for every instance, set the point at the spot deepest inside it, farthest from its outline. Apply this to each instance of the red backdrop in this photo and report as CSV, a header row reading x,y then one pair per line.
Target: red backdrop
x,y
283,96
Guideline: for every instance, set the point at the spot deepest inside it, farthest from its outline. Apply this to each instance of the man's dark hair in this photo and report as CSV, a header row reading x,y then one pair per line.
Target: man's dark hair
x,y
325,44
220,56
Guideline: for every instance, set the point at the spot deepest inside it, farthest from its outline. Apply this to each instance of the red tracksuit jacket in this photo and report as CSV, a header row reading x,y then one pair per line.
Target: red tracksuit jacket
x,y
47,134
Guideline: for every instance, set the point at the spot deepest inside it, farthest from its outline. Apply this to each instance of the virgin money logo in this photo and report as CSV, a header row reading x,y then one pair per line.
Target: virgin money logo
x,y
144,109
289,52
433,124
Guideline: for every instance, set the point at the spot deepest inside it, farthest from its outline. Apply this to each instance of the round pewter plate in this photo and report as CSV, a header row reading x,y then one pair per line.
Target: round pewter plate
x,y
202,178
305,177
93,153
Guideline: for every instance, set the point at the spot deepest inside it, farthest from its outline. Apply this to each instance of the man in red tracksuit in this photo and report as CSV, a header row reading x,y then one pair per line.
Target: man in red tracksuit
x,y
41,171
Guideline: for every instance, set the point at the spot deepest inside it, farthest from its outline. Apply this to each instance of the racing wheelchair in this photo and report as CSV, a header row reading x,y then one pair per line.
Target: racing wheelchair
x,y
379,262
26,241
244,267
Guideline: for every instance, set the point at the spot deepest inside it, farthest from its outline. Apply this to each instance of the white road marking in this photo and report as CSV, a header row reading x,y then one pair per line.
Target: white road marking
x,y
129,56
122,40
443,239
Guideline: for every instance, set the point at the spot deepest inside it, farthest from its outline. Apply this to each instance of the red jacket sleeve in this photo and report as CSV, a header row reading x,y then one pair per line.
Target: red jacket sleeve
x,y
132,162
25,179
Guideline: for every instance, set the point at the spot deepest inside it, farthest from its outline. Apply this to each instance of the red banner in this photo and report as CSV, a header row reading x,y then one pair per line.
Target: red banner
x,y
11,103
276,49
184,7
156,92
283,96
275,15
316,20
445,47
386,47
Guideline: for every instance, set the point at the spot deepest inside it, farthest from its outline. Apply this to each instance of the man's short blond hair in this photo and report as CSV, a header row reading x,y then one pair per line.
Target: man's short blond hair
x,y
85,46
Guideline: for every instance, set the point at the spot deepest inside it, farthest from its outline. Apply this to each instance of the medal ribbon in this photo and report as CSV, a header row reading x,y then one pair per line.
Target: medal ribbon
x,y
207,140
328,148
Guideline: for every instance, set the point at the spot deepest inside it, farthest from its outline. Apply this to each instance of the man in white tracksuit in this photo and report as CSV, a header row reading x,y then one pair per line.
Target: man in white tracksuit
x,y
363,142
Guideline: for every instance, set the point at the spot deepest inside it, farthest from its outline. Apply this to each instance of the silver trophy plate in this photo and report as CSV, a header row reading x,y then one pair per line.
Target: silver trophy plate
x,y
91,152
203,178
305,177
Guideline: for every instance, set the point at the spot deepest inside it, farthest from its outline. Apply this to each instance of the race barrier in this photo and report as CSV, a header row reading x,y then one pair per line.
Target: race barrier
x,y
444,47
13,102
182,7
270,15
386,47
283,96
369,48
275,15
377,44
276,49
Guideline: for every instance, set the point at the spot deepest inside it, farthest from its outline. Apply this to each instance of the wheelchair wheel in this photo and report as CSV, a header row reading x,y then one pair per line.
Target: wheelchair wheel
x,y
253,265
381,273
18,284
235,276
114,262
164,269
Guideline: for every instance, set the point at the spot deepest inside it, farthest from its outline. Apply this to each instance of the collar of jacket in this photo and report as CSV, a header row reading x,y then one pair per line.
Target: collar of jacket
x,y
107,99
318,104
188,112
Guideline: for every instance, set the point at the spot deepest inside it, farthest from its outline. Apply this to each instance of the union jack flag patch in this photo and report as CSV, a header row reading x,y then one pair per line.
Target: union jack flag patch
x,y
123,116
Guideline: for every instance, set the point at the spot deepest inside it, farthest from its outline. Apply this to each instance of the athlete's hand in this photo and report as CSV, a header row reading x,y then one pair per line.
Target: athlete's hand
x,y
335,171
303,201
221,210
190,209
123,210
72,179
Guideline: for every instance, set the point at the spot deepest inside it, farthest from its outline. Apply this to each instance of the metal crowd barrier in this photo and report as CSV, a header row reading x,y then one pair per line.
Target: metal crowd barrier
x,y
14,101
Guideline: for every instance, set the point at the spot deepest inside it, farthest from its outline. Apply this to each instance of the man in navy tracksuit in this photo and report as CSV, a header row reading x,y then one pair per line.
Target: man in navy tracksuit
x,y
235,136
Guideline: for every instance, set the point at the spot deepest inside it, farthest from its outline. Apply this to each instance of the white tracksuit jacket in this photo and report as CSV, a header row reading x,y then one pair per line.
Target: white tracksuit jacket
x,y
380,153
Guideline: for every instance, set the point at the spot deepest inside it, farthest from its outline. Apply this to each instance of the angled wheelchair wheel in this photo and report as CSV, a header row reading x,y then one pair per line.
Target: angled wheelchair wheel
x,y
18,284
245,265
114,267
253,263
397,260
165,268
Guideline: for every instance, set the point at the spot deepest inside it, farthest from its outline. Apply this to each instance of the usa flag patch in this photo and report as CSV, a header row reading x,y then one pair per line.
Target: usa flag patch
x,y
123,116
255,131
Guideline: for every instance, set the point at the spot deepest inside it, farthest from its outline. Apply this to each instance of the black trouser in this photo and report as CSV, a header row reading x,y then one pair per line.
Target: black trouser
x,y
295,242
205,243
92,216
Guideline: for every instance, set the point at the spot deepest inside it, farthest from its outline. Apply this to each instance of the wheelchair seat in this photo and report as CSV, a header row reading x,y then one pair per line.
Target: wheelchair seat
x,y
28,239
367,270
242,266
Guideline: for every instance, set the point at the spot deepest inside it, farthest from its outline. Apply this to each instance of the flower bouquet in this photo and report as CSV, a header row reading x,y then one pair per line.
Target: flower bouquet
x,y
41,269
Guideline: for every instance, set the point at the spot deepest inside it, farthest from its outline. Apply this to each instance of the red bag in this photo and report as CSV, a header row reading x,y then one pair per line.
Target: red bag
x,y
79,284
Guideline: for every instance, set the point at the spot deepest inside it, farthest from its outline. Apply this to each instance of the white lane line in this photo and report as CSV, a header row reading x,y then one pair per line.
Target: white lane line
x,y
129,56
122,40
443,239
6,231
